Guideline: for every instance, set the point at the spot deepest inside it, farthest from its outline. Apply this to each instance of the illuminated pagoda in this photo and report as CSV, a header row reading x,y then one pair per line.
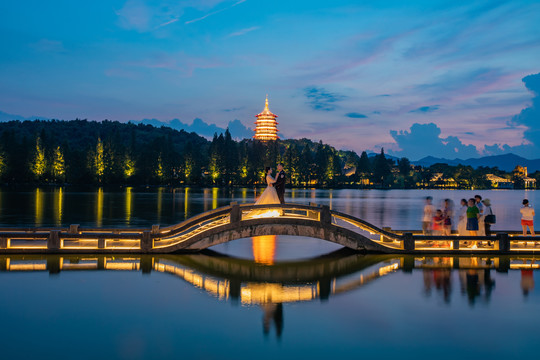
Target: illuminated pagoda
x,y
266,125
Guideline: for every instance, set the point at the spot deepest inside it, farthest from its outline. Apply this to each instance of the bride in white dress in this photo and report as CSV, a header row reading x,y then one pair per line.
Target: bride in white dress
x,y
269,196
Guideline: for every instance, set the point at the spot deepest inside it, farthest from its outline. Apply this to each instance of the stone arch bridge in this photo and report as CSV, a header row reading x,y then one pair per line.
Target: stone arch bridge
x,y
240,221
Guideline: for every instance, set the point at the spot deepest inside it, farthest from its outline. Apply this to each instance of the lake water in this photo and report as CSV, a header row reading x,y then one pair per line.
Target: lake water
x,y
208,306
267,297
140,207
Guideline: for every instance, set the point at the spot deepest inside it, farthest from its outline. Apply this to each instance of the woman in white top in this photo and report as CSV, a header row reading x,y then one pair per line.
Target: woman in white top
x,y
527,217
462,223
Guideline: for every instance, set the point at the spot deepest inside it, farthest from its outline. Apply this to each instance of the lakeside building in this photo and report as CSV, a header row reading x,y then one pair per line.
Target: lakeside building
x,y
266,125
498,182
438,180
522,178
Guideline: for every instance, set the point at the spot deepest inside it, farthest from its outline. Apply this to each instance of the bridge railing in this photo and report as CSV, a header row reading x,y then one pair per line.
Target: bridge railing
x,y
75,238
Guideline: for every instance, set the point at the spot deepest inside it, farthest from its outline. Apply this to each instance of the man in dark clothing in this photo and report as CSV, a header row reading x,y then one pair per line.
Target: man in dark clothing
x,y
280,183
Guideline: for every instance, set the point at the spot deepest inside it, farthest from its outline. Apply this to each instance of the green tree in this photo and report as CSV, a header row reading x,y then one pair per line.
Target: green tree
x,y
58,165
3,163
364,165
129,166
99,160
404,166
39,164
381,168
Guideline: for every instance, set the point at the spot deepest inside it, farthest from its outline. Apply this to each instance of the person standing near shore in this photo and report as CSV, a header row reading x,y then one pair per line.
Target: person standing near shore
x,y
480,206
472,220
487,211
462,224
429,212
527,217
448,213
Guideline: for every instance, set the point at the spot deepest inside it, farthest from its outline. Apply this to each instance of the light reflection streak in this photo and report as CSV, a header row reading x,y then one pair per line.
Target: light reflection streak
x,y
215,198
58,204
186,202
128,204
264,249
159,204
38,207
99,207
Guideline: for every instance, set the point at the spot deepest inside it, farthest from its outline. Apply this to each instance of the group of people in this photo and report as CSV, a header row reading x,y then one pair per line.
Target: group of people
x,y
474,219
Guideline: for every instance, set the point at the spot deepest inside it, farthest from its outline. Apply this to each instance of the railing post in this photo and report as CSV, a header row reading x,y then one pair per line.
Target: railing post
x,y
101,242
101,263
53,265
147,264
408,263
3,243
326,216
155,229
385,238
146,241
73,229
504,242
236,214
53,241
455,244
408,242
504,264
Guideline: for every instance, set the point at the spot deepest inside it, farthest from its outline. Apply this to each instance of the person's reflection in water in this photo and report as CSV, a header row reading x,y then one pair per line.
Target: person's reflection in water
x,y
473,280
489,283
273,313
527,280
443,282
440,278
427,282
473,285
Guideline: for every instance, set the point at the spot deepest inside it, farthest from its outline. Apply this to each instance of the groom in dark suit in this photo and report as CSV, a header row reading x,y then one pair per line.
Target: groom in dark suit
x,y
280,183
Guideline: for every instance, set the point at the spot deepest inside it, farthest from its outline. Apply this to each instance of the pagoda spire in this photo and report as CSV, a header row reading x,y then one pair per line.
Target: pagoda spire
x,y
266,124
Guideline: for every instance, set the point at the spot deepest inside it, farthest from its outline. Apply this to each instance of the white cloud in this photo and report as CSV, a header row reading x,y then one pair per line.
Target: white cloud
x,y
244,31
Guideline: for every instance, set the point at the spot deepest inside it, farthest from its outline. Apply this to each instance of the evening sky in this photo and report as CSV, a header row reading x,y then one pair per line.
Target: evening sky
x,y
417,77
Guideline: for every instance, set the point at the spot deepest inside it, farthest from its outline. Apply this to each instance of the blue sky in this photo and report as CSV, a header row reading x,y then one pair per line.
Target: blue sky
x,y
356,74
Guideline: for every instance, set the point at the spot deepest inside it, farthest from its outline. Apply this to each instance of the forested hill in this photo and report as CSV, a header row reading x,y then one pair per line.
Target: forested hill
x,y
81,151
110,152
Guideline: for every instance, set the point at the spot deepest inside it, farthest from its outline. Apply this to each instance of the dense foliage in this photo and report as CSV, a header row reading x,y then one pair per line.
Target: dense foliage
x,y
109,152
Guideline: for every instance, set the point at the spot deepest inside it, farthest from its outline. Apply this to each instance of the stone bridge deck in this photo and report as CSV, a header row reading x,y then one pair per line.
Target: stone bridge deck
x,y
242,221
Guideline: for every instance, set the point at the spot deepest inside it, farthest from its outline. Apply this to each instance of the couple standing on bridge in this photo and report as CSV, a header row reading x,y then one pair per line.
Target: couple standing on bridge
x,y
275,191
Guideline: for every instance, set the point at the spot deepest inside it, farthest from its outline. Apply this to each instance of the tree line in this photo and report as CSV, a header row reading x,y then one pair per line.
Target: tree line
x,y
110,152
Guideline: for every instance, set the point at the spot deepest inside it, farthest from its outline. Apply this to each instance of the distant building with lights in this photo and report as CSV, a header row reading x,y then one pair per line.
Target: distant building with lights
x,y
266,125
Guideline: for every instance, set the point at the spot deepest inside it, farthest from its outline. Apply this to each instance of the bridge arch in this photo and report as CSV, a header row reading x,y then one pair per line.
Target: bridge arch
x,y
235,223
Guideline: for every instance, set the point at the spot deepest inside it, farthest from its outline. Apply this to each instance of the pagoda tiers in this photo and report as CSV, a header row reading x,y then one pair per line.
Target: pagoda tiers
x,y
266,125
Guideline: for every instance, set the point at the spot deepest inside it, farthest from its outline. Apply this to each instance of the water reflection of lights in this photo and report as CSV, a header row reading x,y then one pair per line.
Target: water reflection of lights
x,y
250,291
129,203
264,249
39,207
99,207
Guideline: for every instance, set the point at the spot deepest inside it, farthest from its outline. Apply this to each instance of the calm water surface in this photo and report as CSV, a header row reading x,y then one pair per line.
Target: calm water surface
x,y
209,306
139,207
267,297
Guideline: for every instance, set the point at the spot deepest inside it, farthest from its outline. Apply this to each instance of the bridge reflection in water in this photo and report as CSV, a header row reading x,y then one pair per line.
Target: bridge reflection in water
x,y
270,284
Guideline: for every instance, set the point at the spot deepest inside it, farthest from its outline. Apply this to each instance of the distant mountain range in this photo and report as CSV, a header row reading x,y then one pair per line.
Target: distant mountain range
x,y
237,129
8,117
506,162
